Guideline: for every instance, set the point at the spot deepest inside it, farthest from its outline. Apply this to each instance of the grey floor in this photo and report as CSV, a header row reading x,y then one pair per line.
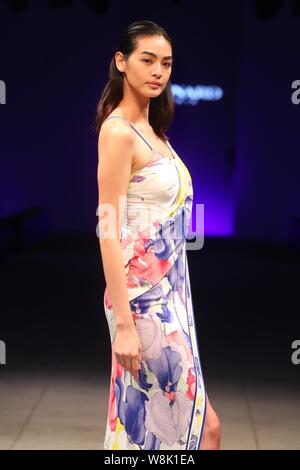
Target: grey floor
x,y
54,386
64,410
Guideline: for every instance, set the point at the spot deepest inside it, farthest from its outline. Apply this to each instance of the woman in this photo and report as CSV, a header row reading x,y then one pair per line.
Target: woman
x,y
157,395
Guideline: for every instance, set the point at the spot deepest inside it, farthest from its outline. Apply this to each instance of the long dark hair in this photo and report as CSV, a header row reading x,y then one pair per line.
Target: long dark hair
x,y
161,109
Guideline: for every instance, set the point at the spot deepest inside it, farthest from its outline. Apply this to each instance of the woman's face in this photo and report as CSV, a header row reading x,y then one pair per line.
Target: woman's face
x,y
151,61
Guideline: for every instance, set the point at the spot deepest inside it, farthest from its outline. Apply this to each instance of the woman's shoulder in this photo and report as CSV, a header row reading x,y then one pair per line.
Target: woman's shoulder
x,y
115,128
116,141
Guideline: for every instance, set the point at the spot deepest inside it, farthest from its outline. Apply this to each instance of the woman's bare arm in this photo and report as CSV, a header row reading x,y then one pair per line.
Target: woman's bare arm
x,y
115,148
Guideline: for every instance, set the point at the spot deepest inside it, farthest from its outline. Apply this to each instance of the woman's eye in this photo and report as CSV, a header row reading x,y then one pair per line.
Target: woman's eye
x,y
148,60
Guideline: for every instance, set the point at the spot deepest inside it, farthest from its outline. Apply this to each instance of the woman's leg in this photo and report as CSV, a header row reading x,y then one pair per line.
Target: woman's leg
x,y
211,438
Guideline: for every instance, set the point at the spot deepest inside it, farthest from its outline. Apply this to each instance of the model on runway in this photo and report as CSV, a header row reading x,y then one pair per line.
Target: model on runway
x,y
157,394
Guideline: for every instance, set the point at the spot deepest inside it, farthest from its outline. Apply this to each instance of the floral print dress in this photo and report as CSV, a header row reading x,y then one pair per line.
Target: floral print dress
x,y
165,409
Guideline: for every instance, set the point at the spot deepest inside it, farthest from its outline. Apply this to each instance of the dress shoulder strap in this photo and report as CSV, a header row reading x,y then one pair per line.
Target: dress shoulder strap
x,y
120,117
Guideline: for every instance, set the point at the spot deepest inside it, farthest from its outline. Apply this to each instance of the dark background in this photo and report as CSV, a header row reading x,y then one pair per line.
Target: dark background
x,y
242,152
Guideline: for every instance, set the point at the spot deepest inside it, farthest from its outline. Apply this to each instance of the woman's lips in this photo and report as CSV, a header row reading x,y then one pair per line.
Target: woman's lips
x,y
153,85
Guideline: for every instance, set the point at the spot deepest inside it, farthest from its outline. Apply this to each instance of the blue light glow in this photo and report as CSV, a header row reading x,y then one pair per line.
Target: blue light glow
x,y
191,95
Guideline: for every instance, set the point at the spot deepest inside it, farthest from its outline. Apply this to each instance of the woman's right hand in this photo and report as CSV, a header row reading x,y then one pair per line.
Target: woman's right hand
x,y
127,348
